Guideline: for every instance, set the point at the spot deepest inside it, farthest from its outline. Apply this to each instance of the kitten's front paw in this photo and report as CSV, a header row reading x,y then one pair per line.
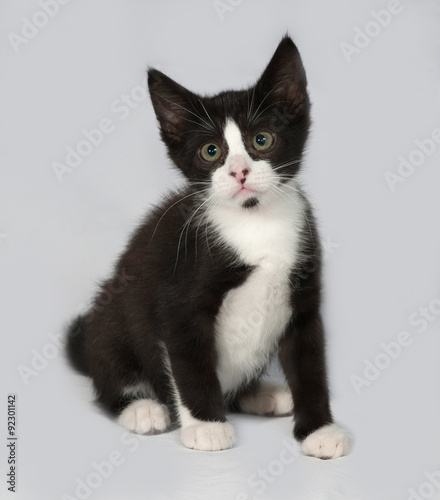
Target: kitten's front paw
x,y
208,436
329,441
268,399
145,416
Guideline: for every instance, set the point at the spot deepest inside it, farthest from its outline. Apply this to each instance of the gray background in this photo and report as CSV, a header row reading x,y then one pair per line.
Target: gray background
x,y
59,238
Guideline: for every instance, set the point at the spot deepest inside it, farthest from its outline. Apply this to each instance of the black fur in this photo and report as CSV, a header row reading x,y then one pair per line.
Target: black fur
x,y
75,346
168,286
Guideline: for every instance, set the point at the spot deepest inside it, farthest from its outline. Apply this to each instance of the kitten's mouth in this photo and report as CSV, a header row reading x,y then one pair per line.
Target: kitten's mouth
x,y
245,192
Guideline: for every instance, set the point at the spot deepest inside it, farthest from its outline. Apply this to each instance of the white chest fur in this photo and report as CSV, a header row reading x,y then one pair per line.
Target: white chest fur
x,y
254,316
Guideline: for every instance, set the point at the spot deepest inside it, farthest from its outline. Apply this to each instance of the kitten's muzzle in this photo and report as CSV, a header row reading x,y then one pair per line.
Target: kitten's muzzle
x,y
239,169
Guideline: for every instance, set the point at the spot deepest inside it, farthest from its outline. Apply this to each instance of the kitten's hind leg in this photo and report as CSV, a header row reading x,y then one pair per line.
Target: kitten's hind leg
x,y
136,407
145,416
142,411
266,398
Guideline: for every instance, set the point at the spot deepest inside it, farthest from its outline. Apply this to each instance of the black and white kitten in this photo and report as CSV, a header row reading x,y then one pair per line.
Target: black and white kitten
x,y
221,277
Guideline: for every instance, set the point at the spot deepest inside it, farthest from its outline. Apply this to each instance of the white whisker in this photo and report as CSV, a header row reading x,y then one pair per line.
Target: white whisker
x,y
207,114
213,201
267,107
186,226
265,97
282,193
173,205
205,124
287,164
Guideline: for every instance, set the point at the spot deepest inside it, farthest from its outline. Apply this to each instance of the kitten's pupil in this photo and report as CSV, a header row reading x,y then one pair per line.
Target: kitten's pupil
x,y
260,139
211,150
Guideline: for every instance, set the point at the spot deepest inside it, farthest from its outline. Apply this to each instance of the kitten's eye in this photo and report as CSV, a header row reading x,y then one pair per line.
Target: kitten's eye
x,y
210,152
262,141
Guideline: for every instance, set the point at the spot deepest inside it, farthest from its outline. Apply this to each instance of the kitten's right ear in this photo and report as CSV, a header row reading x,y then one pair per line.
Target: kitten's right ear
x,y
284,77
171,103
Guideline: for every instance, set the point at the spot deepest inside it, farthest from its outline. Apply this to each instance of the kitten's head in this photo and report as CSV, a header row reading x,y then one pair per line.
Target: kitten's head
x,y
238,145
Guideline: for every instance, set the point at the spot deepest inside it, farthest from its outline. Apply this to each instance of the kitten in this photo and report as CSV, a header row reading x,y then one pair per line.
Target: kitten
x,y
221,277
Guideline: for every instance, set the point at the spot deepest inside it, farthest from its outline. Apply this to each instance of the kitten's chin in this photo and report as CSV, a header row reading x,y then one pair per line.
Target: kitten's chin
x,y
251,202
248,198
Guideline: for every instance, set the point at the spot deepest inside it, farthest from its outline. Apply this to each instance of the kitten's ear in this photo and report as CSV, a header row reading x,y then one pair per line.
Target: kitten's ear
x,y
171,103
284,77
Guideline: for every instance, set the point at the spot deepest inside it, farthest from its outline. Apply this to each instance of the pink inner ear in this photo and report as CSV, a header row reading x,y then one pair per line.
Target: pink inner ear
x,y
171,120
171,102
285,76
294,92
171,114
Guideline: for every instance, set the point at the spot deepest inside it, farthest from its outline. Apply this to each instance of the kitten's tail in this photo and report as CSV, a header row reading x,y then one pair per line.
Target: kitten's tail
x,y
75,346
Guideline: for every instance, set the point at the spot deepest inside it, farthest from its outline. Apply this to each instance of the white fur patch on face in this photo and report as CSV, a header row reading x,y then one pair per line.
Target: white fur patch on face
x,y
259,179
234,139
145,416
329,441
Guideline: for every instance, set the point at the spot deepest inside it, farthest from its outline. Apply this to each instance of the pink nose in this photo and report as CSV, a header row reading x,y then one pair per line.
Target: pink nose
x,y
239,169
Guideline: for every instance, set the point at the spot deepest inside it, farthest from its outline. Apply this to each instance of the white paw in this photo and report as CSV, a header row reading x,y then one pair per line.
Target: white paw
x,y
208,436
268,399
145,416
329,441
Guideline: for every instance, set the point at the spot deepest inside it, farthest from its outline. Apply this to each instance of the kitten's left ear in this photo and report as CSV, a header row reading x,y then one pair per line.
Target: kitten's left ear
x,y
171,103
284,77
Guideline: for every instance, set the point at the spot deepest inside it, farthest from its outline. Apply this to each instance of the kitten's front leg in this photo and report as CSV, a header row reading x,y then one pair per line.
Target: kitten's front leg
x,y
302,357
199,398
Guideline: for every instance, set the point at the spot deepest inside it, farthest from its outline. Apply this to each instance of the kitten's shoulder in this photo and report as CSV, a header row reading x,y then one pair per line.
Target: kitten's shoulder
x,y
168,214
157,229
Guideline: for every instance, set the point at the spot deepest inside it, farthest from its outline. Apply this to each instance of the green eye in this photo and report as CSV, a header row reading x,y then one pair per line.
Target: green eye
x,y
262,141
210,152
